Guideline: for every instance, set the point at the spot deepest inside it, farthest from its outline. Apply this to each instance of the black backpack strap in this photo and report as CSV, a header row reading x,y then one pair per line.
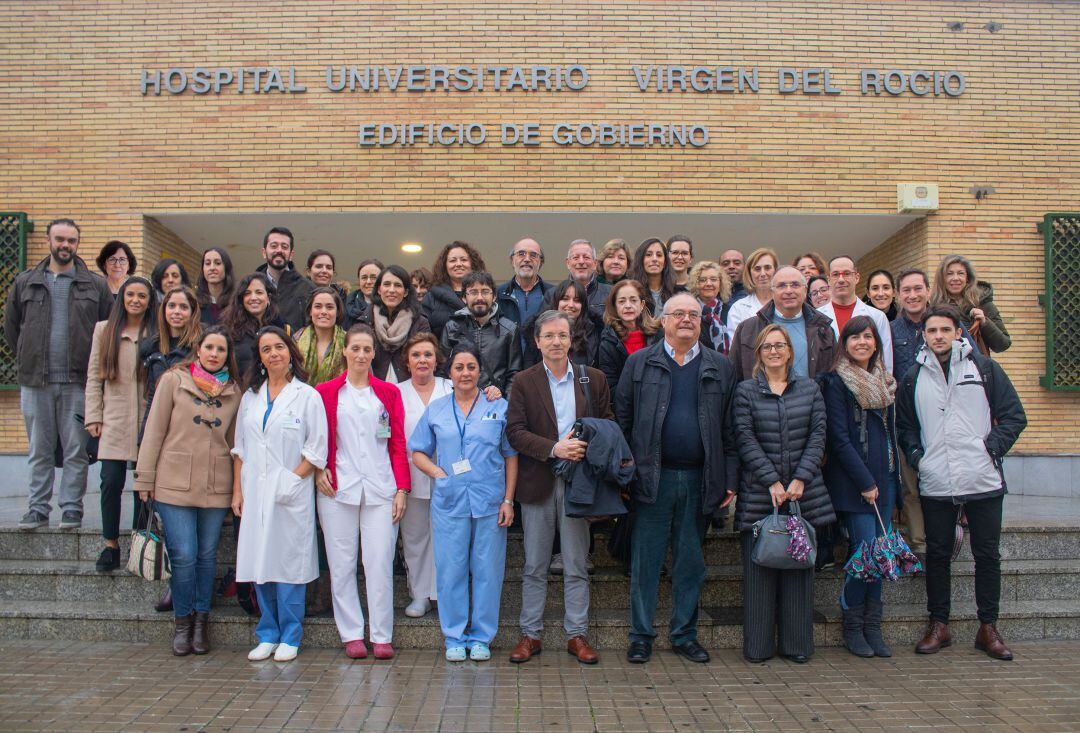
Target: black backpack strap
x,y
582,371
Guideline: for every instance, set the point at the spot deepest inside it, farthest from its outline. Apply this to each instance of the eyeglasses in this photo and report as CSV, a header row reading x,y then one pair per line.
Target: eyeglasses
x,y
846,274
678,253
682,315
485,293
781,346
793,285
117,260
526,254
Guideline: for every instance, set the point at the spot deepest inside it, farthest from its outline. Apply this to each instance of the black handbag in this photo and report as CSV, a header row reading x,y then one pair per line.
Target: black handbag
x,y
772,540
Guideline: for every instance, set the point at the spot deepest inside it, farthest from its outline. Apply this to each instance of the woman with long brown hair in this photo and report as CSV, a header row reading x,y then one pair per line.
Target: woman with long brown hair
x,y
628,326
652,268
215,285
395,318
957,284
322,341
115,385
252,307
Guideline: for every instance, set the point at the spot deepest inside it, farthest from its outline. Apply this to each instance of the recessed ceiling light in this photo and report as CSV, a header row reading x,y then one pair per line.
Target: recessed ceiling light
x,y
411,248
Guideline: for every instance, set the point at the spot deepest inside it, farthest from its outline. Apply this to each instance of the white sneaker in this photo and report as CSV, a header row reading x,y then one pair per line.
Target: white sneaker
x,y
285,653
418,608
262,651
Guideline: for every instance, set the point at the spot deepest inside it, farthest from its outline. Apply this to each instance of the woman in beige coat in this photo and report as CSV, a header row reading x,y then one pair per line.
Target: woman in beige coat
x,y
185,467
115,388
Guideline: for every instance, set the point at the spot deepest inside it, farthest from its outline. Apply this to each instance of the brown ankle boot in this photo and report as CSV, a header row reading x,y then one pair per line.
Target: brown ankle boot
x,y
181,643
989,640
937,637
200,636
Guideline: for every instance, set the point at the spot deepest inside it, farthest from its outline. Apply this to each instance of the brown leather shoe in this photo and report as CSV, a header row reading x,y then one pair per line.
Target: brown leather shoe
x,y
579,647
937,638
181,643
989,640
200,635
525,650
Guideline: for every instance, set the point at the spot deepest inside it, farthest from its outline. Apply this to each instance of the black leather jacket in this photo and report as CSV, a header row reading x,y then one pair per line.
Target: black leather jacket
x,y
496,340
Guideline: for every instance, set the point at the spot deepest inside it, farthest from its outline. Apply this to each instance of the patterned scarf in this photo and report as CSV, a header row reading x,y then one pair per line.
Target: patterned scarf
x,y
391,335
873,390
211,384
333,361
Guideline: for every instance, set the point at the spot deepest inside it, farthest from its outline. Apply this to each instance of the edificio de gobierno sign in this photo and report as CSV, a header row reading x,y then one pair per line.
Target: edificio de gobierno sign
x,y
657,79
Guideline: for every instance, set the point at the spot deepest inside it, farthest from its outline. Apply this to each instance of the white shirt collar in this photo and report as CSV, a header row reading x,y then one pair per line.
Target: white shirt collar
x,y
690,355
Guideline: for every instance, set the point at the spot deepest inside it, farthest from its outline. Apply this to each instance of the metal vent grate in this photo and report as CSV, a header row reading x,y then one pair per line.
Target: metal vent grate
x,y
13,230
1062,301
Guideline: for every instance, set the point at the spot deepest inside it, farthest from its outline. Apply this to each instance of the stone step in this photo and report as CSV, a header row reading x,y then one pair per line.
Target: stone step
x,y
1018,542
60,580
719,627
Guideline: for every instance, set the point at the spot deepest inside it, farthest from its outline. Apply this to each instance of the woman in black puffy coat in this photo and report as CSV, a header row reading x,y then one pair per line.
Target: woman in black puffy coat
x,y
780,421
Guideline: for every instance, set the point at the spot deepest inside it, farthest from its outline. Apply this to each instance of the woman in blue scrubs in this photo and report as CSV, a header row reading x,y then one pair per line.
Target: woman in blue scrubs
x,y
461,442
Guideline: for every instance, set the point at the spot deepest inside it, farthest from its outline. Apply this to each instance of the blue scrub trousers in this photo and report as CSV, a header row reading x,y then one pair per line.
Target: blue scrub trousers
x,y
282,609
465,545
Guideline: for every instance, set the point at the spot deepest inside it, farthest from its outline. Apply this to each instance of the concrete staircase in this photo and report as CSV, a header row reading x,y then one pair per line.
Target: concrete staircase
x,y
50,589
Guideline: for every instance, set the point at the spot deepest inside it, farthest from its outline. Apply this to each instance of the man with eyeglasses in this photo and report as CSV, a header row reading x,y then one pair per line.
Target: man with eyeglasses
x,y
581,263
493,335
843,277
49,326
674,405
810,332
522,297
680,251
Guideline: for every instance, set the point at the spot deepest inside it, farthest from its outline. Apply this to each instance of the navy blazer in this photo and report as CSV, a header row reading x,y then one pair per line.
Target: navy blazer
x,y
847,473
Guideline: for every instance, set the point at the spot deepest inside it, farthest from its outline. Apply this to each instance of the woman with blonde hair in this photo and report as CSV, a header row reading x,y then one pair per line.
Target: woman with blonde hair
x,y
712,287
780,420
760,266
613,262
957,284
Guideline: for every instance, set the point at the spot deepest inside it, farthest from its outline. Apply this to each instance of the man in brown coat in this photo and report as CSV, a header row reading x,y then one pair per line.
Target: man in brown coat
x,y
546,401
810,331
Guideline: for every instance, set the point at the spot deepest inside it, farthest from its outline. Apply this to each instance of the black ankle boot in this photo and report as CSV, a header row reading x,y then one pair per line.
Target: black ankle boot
x,y
872,628
854,639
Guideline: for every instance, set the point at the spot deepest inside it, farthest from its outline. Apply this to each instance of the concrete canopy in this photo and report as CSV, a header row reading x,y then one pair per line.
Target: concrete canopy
x,y
354,236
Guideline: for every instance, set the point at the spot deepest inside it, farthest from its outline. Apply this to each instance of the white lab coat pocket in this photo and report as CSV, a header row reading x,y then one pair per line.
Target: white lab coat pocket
x,y
292,489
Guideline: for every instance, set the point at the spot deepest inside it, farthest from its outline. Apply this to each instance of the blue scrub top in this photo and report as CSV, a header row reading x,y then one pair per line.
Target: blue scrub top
x,y
480,491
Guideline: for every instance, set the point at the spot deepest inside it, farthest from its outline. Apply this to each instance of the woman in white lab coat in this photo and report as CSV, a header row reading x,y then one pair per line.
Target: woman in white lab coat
x,y
281,439
421,357
362,492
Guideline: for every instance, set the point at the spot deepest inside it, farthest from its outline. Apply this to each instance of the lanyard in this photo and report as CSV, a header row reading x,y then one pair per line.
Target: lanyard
x,y
460,427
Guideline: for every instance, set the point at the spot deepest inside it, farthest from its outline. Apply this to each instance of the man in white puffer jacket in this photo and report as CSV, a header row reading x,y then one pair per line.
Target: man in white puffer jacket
x,y
957,415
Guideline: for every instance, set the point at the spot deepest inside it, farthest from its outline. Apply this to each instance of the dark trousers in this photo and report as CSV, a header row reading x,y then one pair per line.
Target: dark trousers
x,y
675,517
776,598
984,528
113,477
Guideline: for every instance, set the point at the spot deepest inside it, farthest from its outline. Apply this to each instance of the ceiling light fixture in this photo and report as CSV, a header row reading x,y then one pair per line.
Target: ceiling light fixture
x,y
411,248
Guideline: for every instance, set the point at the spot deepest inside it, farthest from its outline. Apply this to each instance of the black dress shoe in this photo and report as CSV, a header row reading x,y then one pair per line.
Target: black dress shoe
x,y
798,658
691,650
639,652
756,660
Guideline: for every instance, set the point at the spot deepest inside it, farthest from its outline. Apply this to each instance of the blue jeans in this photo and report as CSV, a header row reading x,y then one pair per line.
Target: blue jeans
x,y
676,519
281,606
191,539
860,527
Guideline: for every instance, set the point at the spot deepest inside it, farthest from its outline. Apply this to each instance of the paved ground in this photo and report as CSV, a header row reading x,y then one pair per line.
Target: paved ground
x,y
66,686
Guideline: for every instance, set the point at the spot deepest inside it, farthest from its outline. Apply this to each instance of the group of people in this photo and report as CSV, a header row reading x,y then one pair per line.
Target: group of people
x,y
440,403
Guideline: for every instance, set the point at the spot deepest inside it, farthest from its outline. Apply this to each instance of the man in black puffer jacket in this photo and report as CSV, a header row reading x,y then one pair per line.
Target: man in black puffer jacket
x,y
673,403
494,336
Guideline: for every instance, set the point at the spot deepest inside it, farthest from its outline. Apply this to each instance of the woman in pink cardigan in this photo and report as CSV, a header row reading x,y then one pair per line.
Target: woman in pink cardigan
x,y
362,493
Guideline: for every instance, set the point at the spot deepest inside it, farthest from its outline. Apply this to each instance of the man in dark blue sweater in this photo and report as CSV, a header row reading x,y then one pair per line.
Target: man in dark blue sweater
x,y
674,405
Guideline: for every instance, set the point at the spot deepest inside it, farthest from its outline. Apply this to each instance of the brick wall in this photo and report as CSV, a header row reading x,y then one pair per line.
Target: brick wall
x,y
80,140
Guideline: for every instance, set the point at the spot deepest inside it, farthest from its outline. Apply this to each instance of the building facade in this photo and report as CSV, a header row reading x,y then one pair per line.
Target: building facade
x,y
129,116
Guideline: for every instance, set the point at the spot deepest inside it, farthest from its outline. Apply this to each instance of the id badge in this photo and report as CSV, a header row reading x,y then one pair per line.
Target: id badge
x,y
383,430
462,466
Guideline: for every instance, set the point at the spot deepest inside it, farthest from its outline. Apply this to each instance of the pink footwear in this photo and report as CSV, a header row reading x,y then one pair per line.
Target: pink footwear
x,y
383,651
356,649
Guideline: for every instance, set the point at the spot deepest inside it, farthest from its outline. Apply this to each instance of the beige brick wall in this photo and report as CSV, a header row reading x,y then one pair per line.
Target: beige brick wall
x,y
80,140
